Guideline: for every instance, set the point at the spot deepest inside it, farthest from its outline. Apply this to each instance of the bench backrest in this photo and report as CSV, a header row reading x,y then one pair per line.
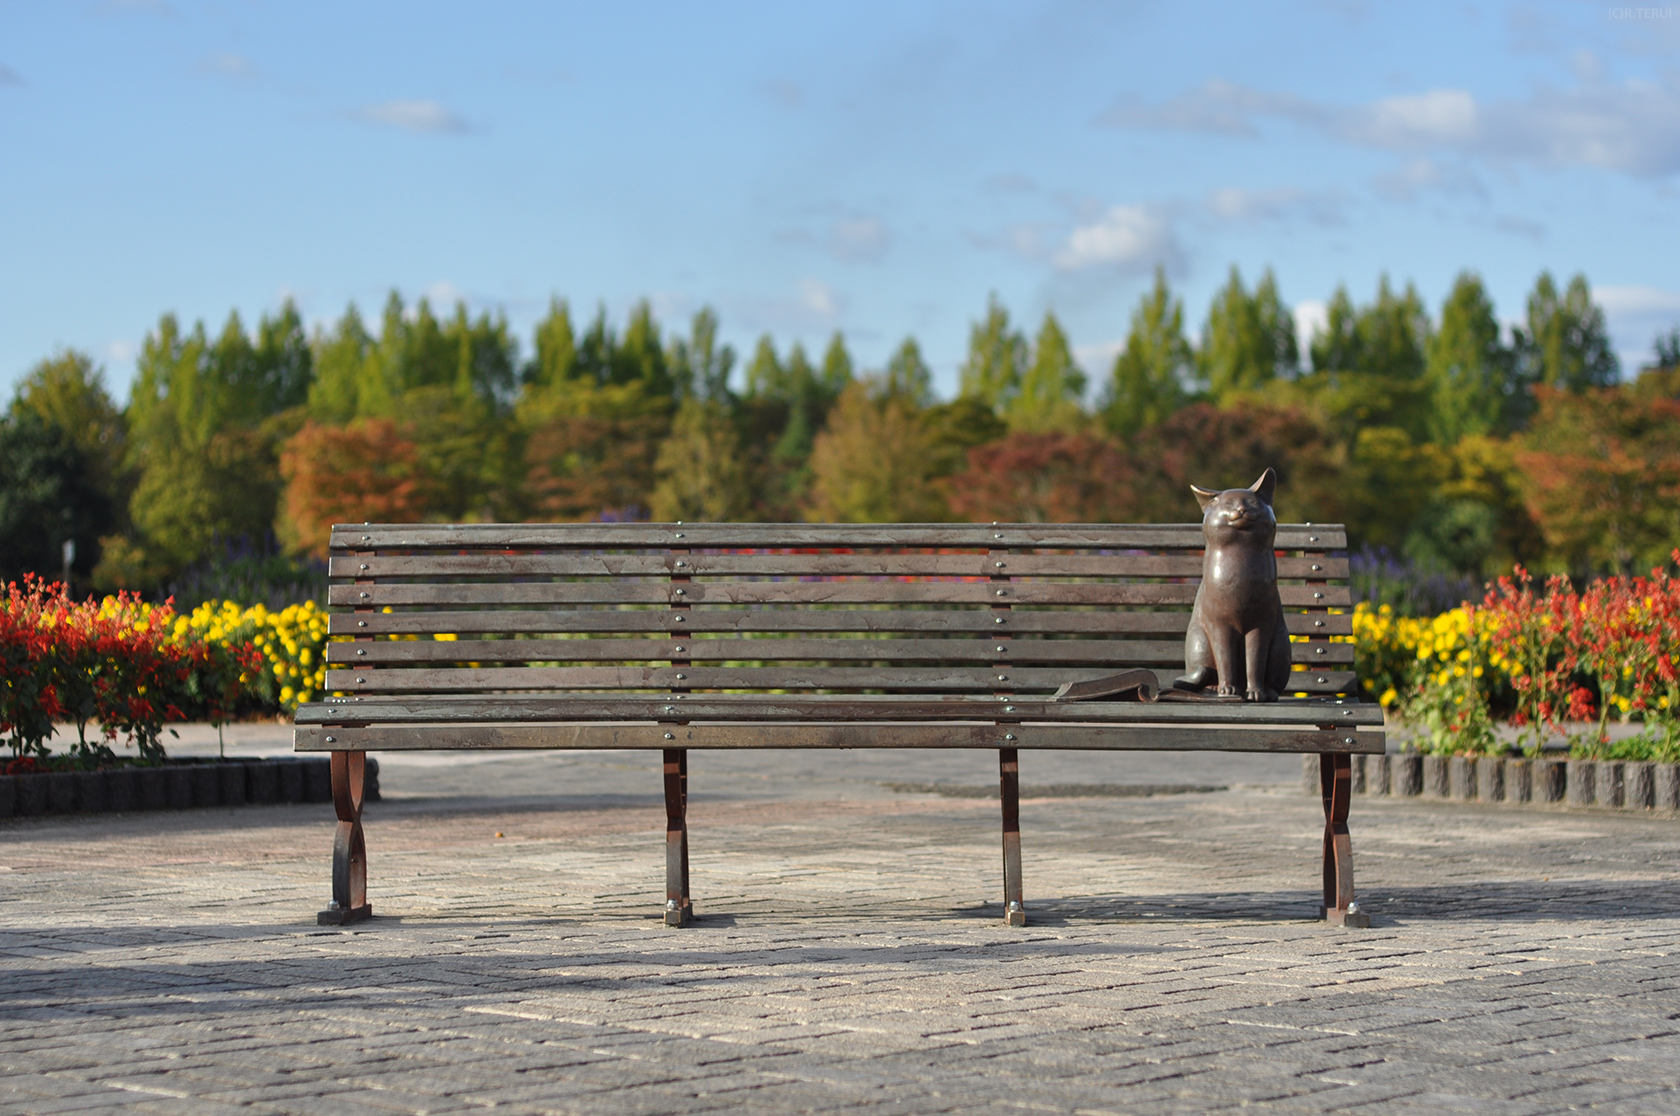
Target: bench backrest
x,y
902,608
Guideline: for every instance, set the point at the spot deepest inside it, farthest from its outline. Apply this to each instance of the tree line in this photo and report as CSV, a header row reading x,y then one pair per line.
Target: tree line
x,y
1445,438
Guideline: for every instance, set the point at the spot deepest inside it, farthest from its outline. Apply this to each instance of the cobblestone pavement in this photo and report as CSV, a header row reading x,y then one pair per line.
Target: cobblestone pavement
x,y
850,953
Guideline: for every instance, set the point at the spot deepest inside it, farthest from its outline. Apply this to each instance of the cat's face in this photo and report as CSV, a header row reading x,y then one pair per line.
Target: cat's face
x,y
1239,510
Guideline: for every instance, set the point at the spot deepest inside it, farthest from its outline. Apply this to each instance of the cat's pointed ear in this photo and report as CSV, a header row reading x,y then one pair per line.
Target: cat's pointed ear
x,y
1204,496
1266,485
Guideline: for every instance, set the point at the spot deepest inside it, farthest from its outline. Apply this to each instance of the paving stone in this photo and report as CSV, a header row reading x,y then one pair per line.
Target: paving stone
x,y
849,955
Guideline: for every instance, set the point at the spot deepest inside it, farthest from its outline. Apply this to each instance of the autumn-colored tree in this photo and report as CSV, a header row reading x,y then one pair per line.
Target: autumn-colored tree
x,y
590,450
874,462
1476,520
1228,448
1050,477
703,474
366,472
1604,470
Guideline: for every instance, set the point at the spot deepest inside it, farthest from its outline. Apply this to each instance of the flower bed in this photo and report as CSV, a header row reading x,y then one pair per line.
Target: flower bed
x,y
131,668
1534,656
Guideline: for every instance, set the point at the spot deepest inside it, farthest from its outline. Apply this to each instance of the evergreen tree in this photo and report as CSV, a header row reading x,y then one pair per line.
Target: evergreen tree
x,y
1394,334
68,392
49,493
907,376
801,392
997,359
342,387
837,367
1147,384
284,362
1472,375
1336,347
640,357
1248,341
1368,366
1566,344
1052,386
699,365
765,378
1665,350
554,356
207,474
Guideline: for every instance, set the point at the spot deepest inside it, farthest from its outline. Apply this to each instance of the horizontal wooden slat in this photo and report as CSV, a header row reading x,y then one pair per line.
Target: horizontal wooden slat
x,y
1088,622
1318,567
523,593
1027,737
925,679
801,592
813,707
510,536
1108,652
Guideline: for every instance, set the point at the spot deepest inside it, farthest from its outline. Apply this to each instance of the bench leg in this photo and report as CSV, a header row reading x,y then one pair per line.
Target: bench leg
x,y
678,907
349,901
1335,779
1009,793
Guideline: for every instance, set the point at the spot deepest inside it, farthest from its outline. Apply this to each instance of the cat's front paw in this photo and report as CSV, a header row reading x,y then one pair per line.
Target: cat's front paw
x,y
1226,690
1261,695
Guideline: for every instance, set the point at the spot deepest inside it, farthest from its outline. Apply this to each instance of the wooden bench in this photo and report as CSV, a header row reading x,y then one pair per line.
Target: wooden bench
x,y
674,637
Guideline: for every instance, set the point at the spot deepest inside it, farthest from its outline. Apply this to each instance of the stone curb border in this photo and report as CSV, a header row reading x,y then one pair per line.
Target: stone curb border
x,y
1617,784
181,784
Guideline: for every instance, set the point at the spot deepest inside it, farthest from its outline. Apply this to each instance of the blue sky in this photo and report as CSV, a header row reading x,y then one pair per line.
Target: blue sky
x,y
874,168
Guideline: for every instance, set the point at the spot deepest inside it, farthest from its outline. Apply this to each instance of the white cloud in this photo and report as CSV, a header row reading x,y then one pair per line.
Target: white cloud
x,y
813,307
859,240
1637,300
122,352
1311,316
1099,356
1217,106
444,294
1438,118
1127,238
412,116
229,65
818,298
1234,204
1635,315
1632,127
1414,176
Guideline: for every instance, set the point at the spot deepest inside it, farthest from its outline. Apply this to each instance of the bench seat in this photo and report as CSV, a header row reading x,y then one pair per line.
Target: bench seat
x,y
674,637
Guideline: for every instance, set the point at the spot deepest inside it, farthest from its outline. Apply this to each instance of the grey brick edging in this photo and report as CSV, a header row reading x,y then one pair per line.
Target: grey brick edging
x,y
182,784
1615,784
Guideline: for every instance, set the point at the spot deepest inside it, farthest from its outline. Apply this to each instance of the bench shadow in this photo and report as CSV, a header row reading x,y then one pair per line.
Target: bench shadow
x,y
1506,901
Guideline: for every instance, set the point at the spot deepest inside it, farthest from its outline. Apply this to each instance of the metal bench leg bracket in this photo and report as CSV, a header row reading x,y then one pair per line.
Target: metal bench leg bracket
x,y
1335,777
349,901
1009,793
679,909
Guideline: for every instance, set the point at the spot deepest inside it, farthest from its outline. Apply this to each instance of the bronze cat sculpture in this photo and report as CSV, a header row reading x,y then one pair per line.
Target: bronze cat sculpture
x,y
1237,638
